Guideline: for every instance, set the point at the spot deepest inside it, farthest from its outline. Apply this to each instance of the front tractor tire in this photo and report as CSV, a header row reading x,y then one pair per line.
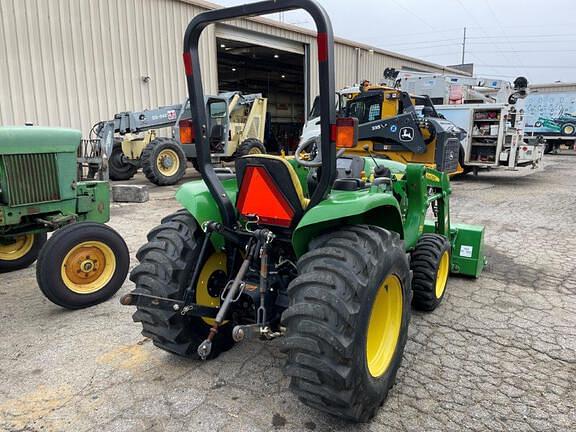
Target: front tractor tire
x,y
430,266
347,323
163,161
166,265
82,264
119,168
250,146
20,252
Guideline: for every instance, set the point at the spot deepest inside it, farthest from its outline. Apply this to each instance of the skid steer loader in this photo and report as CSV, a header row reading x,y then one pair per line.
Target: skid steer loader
x,y
329,258
390,126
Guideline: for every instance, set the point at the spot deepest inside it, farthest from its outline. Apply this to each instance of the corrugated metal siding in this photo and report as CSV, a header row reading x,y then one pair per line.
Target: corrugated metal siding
x,y
72,63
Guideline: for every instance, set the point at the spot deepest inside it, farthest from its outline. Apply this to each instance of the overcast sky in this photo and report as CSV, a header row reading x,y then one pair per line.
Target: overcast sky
x,y
506,38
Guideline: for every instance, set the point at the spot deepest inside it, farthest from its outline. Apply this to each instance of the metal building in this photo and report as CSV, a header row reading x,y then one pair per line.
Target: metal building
x,y
74,62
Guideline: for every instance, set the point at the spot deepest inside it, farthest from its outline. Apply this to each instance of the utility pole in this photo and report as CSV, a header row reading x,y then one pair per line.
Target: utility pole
x,y
464,46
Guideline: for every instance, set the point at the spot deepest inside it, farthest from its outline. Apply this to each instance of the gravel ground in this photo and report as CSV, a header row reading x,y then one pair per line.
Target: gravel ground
x,y
499,354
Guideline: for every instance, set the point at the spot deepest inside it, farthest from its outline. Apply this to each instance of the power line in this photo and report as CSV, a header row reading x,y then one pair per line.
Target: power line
x,y
480,26
401,6
470,39
518,57
529,67
528,42
526,36
424,42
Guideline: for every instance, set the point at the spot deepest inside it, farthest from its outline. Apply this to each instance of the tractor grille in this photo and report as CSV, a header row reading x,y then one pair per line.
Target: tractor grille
x,y
32,178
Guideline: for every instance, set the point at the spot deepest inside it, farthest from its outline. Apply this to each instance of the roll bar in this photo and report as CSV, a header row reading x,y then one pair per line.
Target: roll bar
x,y
325,42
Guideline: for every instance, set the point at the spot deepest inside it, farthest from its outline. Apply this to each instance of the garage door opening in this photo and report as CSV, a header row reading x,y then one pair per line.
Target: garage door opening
x,y
278,75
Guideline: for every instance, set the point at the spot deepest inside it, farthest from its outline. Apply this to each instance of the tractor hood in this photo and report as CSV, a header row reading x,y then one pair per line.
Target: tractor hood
x,y
33,139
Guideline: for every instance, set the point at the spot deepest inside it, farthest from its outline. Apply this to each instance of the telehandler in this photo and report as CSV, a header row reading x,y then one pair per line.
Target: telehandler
x,y
329,258
237,123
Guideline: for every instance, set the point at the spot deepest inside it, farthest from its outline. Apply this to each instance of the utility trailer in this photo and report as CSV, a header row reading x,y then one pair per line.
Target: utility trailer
x,y
490,111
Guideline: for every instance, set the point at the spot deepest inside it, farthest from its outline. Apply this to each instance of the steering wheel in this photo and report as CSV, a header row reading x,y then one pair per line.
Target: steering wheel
x,y
308,153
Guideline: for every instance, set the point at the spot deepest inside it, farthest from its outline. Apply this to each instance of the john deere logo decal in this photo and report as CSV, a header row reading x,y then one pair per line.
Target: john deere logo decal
x,y
406,134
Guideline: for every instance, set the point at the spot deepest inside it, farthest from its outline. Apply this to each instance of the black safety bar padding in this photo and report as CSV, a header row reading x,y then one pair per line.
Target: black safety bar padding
x,y
325,41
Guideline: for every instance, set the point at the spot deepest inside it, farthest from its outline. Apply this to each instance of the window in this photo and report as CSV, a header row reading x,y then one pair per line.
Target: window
x,y
365,109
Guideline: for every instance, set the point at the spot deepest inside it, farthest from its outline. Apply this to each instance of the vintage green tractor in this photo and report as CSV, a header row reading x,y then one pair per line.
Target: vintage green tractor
x,y
330,258
84,262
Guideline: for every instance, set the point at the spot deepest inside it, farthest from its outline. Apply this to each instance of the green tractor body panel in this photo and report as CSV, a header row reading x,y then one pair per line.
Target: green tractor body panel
x,y
400,207
371,206
39,190
467,248
34,140
197,199
93,201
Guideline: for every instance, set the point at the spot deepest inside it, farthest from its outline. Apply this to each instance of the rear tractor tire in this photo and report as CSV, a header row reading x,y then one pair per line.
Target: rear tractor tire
x,y
119,168
430,266
250,146
166,265
20,252
82,264
347,323
163,161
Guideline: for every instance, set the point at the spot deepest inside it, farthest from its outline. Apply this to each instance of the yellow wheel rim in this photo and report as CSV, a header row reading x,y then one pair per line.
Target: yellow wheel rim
x,y
20,247
168,162
254,150
212,278
569,130
88,267
384,326
442,274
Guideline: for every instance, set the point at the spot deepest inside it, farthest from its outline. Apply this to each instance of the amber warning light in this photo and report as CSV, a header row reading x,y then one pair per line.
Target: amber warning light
x,y
186,132
345,132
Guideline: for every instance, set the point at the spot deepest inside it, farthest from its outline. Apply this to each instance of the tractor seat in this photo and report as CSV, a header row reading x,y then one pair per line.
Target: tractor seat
x,y
269,188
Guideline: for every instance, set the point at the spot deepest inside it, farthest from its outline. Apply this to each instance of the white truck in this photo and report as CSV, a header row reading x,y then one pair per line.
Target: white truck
x,y
490,111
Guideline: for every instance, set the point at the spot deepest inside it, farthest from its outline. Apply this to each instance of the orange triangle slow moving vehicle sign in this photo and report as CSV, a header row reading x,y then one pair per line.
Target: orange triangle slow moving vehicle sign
x,y
259,195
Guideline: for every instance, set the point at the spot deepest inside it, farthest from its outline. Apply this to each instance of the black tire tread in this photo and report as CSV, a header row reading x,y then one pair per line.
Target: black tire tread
x,y
325,305
424,264
244,148
164,270
49,259
148,161
28,259
125,172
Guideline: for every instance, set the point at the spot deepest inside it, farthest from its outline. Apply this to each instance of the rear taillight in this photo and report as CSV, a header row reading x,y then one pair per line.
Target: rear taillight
x,y
186,132
345,132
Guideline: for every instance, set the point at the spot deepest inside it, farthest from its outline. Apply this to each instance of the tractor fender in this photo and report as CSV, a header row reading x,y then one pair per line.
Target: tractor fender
x,y
195,197
371,207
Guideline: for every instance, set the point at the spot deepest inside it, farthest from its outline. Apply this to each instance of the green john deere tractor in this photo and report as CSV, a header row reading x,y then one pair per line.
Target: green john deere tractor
x,y
331,259
84,262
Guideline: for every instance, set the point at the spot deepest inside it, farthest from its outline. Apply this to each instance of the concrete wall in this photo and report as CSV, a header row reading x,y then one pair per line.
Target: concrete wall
x,y
72,63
